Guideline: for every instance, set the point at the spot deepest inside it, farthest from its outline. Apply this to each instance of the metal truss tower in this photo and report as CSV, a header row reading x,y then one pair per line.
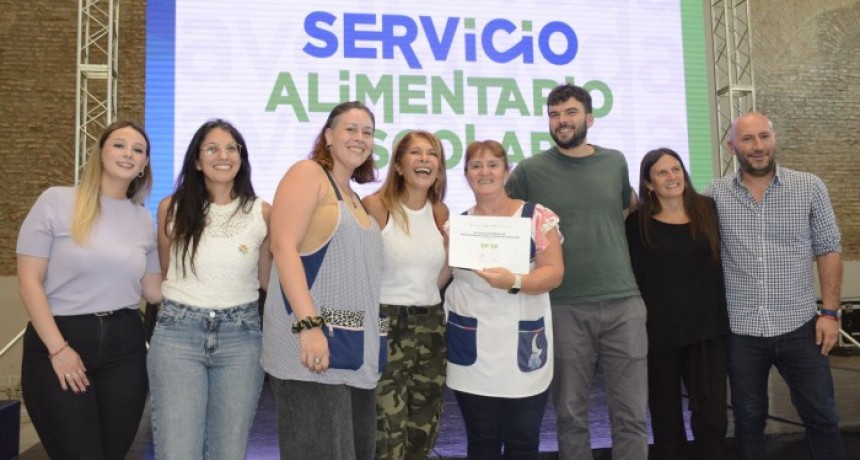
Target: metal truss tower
x,y
98,34
733,70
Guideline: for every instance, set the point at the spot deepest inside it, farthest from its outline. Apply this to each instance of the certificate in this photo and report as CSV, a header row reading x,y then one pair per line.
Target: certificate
x,y
479,242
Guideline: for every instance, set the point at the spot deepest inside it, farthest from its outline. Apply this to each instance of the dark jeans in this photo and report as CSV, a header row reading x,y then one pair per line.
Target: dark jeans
x,y
702,368
100,423
498,428
807,374
317,421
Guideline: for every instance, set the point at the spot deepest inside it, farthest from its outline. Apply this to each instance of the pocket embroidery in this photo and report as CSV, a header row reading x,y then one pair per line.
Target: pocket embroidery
x,y
533,346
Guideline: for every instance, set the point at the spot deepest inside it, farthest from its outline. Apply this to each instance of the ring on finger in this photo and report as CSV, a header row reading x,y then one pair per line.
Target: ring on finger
x,y
67,375
317,360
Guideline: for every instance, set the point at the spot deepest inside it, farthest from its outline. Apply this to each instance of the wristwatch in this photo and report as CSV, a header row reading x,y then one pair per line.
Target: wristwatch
x,y
518,284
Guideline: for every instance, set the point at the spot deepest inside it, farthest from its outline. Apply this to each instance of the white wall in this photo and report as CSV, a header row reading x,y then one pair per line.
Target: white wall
x,y
12,320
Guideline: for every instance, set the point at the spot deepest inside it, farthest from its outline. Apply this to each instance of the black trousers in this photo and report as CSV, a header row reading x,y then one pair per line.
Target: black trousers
x,y
101,423
502,428
701,367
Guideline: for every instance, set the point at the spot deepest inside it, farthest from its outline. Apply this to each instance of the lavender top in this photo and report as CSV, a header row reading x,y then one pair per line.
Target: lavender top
x,y
105,274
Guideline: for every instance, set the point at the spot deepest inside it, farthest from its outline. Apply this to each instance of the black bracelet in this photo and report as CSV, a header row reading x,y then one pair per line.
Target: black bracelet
x,y
309,322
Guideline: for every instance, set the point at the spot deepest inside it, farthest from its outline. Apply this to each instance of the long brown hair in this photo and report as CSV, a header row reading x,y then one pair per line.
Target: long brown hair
x,y
394,187
189,202
700,209
366,172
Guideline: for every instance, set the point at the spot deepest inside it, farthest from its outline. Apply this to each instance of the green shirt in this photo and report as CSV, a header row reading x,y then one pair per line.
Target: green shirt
x,y
589,195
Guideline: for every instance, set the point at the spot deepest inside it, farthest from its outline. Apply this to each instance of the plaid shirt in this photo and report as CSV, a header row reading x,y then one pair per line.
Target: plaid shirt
x,y
768,249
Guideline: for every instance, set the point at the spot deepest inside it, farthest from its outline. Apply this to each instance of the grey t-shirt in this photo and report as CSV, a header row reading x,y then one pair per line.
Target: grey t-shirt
x,y
103,275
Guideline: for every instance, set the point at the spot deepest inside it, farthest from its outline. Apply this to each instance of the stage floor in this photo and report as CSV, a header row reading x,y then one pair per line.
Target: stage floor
x,y
784,429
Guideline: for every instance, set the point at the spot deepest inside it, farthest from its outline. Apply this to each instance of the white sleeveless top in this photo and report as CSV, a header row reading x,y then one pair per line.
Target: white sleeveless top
x,y
225,266
411,263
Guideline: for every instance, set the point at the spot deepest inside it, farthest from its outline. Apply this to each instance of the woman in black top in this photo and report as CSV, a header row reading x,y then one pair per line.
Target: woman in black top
x,y
675,252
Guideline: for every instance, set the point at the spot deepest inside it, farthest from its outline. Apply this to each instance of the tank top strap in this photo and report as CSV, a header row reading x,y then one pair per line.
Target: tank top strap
x,y
333,185
337,190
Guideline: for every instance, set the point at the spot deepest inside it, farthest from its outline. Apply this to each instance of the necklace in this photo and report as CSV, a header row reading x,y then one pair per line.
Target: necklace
x,y
352,200
351,195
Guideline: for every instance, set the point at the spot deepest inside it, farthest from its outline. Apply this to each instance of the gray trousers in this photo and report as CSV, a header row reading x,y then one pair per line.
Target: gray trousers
x,y
609,335
317,421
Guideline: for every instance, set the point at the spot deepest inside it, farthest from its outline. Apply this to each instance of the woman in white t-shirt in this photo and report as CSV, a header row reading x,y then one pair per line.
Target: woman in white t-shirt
x,y
499,332
409,210
204,357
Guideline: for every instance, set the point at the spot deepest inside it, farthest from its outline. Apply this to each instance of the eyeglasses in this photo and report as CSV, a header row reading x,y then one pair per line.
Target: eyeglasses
x,y
215,149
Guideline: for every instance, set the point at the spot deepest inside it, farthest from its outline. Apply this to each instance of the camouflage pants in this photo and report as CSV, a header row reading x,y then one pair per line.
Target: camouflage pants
x,y
409,394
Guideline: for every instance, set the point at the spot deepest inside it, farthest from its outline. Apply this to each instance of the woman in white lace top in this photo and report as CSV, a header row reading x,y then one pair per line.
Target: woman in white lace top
x,y
204,358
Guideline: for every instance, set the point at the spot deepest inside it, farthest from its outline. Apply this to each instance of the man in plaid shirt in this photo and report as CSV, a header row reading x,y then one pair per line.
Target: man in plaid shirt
x,y
774,222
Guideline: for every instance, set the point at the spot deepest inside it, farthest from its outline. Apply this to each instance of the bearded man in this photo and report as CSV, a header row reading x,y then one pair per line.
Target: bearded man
x,y
774,222
598,314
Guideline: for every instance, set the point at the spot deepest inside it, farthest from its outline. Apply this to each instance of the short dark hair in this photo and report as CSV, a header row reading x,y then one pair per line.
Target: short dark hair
x,y
565,91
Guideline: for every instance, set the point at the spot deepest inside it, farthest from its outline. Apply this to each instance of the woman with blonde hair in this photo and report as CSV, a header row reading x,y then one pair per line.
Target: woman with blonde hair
x,y
409,210
86,255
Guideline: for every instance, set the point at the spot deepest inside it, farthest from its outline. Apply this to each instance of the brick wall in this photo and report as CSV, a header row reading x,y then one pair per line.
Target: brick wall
x,y
807,63
37,100
807,75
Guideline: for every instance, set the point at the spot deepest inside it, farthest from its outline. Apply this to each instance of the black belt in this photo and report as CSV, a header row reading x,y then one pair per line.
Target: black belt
x,y
414,310
99,314
410,310
118,311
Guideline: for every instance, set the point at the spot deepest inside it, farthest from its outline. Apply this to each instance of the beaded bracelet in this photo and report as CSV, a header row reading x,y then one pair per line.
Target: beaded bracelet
x,y
60,350
309,322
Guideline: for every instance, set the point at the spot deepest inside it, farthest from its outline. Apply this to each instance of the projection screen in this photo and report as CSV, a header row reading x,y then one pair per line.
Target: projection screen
x,y
464,70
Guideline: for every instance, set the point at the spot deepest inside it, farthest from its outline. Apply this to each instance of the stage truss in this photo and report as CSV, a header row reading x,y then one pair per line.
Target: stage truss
x,y
734,77
97,74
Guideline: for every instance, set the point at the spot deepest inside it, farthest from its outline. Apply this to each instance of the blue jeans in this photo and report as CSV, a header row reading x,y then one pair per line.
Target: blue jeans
x,y
100,423
205,380
494,425
807,374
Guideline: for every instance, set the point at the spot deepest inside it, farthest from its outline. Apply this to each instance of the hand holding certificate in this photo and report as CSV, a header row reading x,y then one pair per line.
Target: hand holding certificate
x,y
479,242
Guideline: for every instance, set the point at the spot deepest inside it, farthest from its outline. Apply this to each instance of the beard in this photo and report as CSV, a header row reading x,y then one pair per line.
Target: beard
x,y
578,137
756,171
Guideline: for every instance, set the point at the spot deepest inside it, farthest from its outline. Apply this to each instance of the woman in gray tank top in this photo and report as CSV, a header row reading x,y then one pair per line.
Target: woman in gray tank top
x,y
323,344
